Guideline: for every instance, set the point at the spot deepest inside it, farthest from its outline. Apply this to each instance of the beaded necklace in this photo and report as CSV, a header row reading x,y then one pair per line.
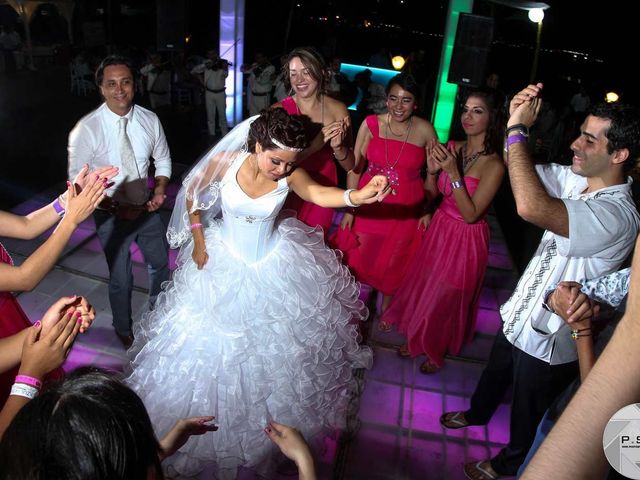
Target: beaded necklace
x,y
467,163
390,170
469,160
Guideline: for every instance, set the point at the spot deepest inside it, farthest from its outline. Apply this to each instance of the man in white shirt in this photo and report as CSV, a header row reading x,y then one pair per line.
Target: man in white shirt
x,y
591,224
158,75
261,77
213,74
125,135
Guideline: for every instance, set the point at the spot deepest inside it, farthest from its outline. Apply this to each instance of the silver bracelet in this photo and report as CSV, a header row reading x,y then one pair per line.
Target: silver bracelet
x,y
24,390
457,184
347,200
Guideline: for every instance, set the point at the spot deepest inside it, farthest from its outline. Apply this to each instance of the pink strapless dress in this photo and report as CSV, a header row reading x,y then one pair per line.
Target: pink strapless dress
x,y
436,304
384,236
322,168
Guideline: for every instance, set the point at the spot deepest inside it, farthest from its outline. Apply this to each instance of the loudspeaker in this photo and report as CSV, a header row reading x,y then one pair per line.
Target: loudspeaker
x,y
470,50
171,18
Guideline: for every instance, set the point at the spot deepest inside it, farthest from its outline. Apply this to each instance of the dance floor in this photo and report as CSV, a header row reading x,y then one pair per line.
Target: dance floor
x,y
394,432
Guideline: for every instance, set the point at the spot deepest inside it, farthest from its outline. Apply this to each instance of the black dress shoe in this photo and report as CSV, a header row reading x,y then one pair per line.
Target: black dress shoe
x,y
127,340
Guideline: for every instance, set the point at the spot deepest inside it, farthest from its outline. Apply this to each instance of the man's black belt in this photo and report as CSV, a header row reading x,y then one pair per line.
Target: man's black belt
x,y
215,91
256,94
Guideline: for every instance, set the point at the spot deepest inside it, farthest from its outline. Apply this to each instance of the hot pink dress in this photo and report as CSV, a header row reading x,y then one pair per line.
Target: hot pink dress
x,y
13,320
384,236
321,167
436,304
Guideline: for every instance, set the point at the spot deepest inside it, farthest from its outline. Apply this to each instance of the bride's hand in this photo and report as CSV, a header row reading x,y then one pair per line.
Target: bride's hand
x,y
374,191
200,256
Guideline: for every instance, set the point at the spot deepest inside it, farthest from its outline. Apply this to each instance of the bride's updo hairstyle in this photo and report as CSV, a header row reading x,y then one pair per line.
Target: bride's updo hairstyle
x,y
276,124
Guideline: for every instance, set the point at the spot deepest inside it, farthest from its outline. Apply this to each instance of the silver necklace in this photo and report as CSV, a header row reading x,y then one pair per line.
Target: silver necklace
x,y
390,169
469,160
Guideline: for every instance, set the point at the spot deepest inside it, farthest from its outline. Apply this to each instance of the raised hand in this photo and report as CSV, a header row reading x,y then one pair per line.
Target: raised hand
x,y
81,205
525,105
84,175
444,158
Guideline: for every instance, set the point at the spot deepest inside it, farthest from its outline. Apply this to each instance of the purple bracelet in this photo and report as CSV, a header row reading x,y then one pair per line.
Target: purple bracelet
x,y
518,138
57,207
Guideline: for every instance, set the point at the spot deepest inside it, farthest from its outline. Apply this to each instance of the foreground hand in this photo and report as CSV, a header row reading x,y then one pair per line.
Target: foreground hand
x,y
42,353
182,431
291,444
80,205
58,309
86,311
83,176
156,202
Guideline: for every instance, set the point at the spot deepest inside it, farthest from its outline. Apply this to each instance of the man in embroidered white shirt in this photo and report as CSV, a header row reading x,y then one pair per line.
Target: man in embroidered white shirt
x,y
591,223
127,135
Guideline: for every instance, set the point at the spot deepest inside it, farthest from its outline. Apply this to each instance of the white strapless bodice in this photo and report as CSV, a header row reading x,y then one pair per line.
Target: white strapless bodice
x,y
247,225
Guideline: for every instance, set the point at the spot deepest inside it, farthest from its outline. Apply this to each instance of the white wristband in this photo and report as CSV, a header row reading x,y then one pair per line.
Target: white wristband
x,y
347,199
24,390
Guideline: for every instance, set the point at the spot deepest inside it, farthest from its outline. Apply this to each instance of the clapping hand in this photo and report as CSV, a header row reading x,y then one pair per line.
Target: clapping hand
x,y
525,106
44,351
77,306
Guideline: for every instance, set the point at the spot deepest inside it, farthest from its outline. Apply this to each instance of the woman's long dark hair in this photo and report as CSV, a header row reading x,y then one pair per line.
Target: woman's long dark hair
x,y
88,427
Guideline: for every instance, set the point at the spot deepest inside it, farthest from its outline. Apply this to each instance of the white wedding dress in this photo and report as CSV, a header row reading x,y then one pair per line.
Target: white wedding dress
x,y
267,330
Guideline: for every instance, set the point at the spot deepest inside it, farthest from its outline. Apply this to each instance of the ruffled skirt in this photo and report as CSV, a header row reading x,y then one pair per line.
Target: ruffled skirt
x,y
248,343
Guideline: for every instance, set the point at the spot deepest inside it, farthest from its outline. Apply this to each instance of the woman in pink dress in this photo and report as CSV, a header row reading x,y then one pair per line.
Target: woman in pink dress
x,y
306,73
379,242
26,276
437,302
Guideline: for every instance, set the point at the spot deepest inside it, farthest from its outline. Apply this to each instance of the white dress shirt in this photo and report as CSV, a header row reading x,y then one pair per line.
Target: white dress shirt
x,y
94,140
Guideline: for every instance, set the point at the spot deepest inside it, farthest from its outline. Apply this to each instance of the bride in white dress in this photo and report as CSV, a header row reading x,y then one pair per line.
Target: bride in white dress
x,y
260,320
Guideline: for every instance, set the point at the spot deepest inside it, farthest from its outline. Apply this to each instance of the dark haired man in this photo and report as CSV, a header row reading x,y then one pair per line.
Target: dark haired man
x,y
125,135
591,224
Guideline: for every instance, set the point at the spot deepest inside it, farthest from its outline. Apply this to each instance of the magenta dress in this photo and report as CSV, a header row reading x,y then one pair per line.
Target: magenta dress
x,y
436,304
321,167
384,236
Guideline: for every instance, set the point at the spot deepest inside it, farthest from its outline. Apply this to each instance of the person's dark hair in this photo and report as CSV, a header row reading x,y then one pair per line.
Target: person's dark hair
x,y
276,123
90,426
624,131
114,60
407,82
313,61
494,137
